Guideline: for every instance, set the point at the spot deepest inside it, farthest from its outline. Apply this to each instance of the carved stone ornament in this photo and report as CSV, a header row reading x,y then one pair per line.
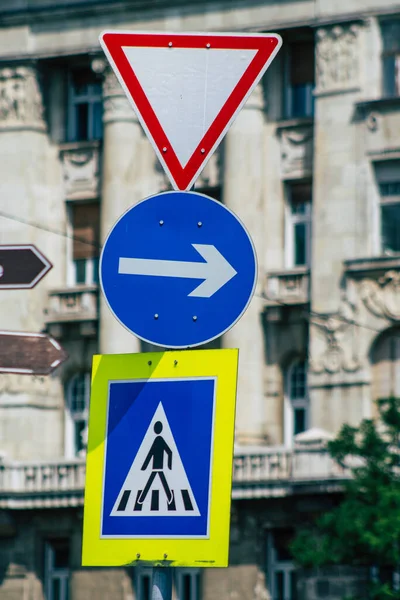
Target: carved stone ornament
x,y
296,151
334,344
337,58
21,105
81,166
116,106
382,297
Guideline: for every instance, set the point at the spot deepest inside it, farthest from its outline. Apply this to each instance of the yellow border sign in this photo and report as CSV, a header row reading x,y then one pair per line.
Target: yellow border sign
x,y
112,538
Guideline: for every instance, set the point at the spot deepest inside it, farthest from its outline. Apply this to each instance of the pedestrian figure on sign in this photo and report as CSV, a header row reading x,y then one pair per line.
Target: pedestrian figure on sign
x,y
156,453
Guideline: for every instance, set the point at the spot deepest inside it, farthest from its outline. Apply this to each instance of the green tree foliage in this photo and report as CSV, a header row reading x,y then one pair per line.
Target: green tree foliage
x,y
364,529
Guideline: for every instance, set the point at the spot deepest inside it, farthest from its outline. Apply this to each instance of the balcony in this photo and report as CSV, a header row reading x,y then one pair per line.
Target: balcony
x,y
42,485
296,140
374,267
77,306
257,473
81,170
289,287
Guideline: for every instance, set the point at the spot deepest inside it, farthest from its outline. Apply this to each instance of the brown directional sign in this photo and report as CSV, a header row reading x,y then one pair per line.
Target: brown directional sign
x,y
29,353
22,267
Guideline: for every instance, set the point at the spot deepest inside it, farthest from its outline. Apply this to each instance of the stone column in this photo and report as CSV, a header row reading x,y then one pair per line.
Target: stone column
x,y
244,165
128,177
31,200
340,227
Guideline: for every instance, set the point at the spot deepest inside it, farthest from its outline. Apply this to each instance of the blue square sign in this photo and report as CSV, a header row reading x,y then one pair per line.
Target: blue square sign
x,y
158,458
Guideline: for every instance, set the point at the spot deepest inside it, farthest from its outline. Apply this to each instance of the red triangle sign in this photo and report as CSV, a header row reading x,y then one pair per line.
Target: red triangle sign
x,y
187,88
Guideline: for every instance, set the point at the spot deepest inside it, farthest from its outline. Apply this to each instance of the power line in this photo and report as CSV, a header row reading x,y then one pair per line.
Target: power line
x,y
307,313
48,229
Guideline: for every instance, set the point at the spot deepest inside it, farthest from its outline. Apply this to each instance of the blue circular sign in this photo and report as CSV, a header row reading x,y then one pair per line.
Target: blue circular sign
x,y
178,269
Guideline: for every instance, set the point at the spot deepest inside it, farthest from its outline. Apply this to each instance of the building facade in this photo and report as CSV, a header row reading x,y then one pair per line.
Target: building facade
x,y
311,166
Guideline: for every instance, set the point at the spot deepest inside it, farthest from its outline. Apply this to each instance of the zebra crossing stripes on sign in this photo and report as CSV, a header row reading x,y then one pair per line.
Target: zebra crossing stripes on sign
x,y
157,484
158,458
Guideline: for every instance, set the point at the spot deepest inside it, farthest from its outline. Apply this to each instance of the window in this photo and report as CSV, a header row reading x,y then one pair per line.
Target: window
x,y
282,574
391,57
386,575
296,401
300,80
78,393
388,179
57,571
298,231
85,219
84,106
385,362
187,584
143,583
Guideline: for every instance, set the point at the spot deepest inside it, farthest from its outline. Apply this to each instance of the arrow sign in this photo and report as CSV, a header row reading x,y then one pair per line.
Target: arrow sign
x,y
216,271
29,353
22,267
187,88
178,269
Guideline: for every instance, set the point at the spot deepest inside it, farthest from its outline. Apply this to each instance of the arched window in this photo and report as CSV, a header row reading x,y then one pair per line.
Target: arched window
x,y
77,412
385,362
296,401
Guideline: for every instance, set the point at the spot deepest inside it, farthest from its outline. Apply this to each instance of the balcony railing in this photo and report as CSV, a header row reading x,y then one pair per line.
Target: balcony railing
x,y
290,286
77,305
42,485
264,473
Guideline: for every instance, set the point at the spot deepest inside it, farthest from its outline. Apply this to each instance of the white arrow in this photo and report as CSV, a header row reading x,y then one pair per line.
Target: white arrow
x,y
216,271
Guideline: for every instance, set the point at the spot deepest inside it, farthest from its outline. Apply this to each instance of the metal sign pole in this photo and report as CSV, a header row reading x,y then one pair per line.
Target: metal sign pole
x,y
162,583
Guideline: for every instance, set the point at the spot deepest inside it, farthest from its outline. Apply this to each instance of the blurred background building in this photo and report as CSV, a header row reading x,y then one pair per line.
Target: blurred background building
x,y
312,167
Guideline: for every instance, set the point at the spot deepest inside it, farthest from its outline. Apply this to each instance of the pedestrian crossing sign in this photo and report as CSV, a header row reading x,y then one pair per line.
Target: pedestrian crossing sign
x,y
159,461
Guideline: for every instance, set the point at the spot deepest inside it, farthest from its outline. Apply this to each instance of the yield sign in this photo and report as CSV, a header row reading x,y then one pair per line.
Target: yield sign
x,y
187,89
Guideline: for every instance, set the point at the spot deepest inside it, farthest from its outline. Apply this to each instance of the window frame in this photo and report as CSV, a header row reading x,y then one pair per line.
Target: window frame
x,y
288,112
91,264
73,100
274,565
390,200
290,221
140,574
195,582
52,573
71,450
291,404
387,54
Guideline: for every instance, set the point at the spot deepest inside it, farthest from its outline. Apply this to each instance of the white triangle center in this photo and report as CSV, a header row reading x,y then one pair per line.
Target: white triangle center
x,y
187,87
156,484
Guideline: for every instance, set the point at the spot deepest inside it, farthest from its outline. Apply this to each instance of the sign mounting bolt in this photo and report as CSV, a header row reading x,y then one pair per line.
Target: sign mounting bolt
x,y
138,555
175,362
199,224
165,555
156,316
202,150
208,45
161,223
164,149
150,363
194,318
170,44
